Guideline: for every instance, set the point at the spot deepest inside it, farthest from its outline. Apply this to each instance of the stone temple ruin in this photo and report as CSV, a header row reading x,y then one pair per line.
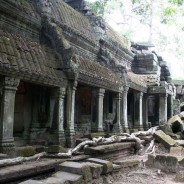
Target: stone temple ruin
x,y
65,73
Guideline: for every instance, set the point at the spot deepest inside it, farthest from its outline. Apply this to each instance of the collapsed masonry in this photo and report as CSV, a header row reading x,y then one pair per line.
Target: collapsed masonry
x,y
65,73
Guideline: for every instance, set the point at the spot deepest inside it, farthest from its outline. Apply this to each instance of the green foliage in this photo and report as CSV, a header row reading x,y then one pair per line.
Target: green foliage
x,y
177,2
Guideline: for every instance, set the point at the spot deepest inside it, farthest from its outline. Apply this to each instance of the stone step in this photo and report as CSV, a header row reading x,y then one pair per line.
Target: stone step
x,y
107,165
27,169
111,151
69,177
77,168
31,182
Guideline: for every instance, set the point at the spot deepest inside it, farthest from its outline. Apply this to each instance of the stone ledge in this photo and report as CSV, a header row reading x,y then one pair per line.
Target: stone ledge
x,y
103,149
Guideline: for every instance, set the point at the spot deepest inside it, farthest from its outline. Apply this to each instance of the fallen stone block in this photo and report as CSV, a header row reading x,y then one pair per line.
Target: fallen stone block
x,y
179,176
165,139
31,182
150,161
166,163
107,165
77,168
180,142
70,177
96,169
127,163
176,151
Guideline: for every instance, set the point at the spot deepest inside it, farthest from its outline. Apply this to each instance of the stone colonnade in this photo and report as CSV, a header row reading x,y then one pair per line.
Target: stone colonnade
x,y
67,135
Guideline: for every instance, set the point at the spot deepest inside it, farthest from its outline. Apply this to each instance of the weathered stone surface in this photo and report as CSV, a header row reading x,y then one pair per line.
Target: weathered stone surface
x,y
180,176
96,169
26,151
56,149
32,182
166,163
180,142
54,180
177,151
127,163
116,167
150,161
25,170
166,140
107,166
3,156
71,178
181,161
98,150
77,168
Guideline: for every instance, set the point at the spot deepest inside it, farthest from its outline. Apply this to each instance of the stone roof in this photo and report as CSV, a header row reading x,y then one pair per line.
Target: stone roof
x,y
96,74
112,34
137,81
28,59
63,14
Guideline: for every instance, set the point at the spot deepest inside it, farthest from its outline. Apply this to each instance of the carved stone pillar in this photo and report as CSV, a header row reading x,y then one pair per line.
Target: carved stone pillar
x,y
139,122
118,125
70,107
8,90
162,108
59,132
124,109
170,106
145,112
100,97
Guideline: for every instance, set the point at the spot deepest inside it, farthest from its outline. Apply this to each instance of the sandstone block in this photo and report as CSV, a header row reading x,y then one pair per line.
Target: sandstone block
x,y
166,163
96,169
177,151
107,165
54,180
163,138
77,168
69,177
150,161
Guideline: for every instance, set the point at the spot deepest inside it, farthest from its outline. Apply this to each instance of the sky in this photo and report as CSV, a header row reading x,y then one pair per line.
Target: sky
x,y
141,33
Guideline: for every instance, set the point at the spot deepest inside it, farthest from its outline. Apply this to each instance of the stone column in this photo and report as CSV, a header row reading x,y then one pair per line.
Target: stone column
x,y
8,90
70,108
124,108
145,112
118,125
100,97
59,132
170,104
162,108
139,123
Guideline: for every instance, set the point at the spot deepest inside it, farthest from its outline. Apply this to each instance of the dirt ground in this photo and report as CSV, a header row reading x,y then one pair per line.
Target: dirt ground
x,y
142,173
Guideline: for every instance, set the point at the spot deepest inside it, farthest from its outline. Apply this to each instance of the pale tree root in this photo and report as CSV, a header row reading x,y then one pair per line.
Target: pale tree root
x,y
18,160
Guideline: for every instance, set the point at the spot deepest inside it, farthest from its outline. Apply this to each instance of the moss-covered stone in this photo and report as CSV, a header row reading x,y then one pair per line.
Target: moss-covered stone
x,y
25,151
56,149
165,139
